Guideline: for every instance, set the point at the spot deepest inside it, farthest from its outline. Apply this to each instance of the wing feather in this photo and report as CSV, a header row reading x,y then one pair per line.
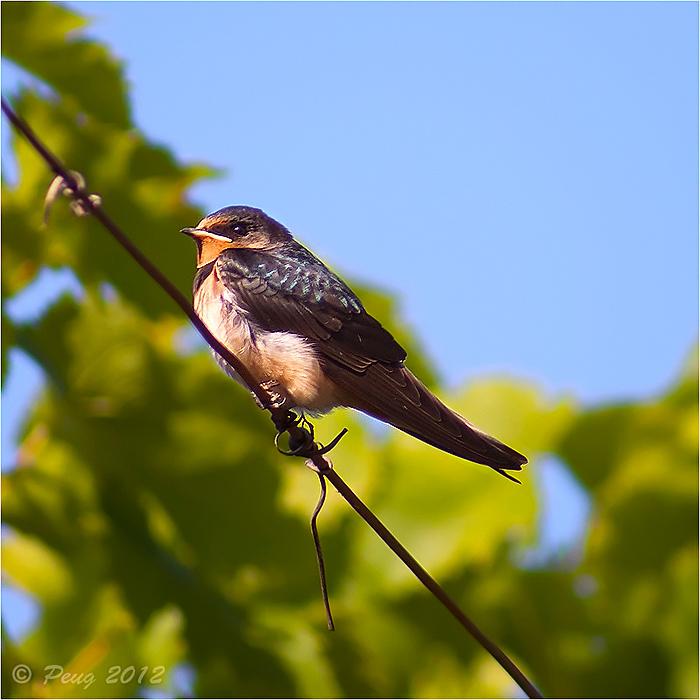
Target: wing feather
x,y
309,300
297,293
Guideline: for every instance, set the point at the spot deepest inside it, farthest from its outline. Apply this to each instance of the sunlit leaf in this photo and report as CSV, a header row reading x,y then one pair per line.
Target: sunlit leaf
x,y
37,35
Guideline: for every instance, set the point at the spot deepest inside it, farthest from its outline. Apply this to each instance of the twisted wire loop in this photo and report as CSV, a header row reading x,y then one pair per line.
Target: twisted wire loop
x,y
301,435
61,186
302,440
302,444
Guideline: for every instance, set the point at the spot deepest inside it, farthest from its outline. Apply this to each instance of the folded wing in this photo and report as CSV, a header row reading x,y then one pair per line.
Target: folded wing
x,y
297,293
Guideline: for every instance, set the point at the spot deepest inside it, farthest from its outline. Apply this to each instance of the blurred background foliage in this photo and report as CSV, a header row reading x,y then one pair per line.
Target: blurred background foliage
x,y
150,515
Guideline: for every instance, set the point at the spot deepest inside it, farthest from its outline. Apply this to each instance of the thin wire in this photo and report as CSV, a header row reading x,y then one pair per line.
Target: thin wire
x,y
319,552
431,584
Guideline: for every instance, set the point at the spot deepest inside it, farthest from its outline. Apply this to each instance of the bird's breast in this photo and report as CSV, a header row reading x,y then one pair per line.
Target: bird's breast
x,y
286,359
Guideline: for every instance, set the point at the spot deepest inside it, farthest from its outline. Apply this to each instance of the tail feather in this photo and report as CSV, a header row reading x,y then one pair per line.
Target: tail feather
x,y
394,395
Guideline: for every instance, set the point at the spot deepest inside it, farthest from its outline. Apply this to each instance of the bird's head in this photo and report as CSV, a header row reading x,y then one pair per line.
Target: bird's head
x,y
236,227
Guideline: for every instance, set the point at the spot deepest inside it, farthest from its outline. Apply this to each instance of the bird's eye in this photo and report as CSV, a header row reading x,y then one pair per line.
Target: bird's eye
x,y
240,230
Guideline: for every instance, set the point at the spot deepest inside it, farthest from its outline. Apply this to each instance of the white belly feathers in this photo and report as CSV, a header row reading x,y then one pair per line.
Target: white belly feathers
x,y
286,359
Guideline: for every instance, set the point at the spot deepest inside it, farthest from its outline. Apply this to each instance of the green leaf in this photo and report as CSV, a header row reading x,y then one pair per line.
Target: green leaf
x,y
41,37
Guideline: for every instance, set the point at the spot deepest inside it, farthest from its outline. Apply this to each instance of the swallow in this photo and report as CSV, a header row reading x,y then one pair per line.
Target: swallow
x,y
305,336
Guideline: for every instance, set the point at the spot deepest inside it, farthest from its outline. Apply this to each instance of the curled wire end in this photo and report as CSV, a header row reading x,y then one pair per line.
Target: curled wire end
x,y
333,442
302,444
59,187
319,553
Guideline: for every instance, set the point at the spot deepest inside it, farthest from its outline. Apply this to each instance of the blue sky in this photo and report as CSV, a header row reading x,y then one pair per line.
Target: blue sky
x,y
523,177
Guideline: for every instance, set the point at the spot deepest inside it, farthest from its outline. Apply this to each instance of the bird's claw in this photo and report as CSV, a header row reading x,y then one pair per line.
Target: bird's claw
x,y
277,400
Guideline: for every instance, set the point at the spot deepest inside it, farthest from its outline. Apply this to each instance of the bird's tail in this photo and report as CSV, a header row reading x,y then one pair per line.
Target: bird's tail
x,y
394,395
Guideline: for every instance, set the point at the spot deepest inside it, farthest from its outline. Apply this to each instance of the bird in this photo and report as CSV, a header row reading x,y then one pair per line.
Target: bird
x,y
305,336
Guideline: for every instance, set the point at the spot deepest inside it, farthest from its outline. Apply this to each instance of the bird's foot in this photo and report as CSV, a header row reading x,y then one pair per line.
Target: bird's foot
x,y
277,399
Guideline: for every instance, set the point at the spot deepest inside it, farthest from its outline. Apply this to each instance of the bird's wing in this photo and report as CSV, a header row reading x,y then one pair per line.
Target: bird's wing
x,y
299,294
289,293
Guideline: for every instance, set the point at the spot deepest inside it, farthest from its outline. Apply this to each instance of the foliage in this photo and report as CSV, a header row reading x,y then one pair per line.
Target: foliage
x,y
151,516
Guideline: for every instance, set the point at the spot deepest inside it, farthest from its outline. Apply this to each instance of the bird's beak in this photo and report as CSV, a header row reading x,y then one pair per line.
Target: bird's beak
x,y
200,233
196,233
